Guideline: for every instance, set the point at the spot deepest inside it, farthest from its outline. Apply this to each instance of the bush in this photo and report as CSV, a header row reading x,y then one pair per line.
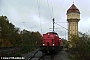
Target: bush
x,y
18,54
80,47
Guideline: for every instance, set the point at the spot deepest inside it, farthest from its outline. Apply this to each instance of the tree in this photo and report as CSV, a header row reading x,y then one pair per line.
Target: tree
x,y
4,32
30,40
80,46
9,34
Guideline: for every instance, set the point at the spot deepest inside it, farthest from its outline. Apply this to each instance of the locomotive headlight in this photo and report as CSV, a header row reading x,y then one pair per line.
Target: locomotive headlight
x,y
53,44
48,34
43,44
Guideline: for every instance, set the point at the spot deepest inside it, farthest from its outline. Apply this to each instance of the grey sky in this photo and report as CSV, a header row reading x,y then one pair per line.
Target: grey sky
x,y
19,11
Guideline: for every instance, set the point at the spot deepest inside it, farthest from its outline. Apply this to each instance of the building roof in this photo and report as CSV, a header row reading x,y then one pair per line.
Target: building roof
x,y
73,8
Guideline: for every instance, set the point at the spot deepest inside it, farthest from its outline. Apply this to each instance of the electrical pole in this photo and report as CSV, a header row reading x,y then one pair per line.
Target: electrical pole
x,y
53,24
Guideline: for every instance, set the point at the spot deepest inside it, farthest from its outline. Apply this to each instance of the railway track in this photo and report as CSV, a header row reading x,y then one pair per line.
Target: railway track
x,y
47,57
38,55
62,55
43,57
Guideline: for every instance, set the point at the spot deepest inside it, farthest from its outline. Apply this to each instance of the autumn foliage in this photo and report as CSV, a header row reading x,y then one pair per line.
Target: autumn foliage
x,y
80,46
11,36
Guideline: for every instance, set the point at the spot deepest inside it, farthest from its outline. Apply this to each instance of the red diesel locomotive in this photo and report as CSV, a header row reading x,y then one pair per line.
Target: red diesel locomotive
x,y
51,42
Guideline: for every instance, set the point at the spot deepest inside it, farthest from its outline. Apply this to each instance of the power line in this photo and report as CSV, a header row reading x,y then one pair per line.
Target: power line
x,y
38,2
61,22
61,26
59,8
49,9
38,7
52,8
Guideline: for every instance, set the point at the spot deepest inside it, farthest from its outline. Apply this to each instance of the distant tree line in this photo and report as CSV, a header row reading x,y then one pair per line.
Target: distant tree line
x,y
80,46
11,36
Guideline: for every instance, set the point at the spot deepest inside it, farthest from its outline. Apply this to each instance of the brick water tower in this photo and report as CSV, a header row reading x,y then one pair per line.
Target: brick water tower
x,y
73,17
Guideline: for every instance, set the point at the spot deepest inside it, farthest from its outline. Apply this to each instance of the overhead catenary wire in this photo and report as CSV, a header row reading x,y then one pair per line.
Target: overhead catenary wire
x,y
49,9
52,8
61,26
64,28
59,9
52,15
38,2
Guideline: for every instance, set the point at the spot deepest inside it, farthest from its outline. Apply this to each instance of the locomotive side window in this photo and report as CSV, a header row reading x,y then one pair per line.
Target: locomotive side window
x,y
52,40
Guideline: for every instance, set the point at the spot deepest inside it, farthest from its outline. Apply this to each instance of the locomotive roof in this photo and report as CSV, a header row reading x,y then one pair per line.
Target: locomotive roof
x,y
52,33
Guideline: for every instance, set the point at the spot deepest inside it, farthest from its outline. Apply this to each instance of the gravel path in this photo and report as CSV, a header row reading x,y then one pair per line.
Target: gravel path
x,y
29,55
62,55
